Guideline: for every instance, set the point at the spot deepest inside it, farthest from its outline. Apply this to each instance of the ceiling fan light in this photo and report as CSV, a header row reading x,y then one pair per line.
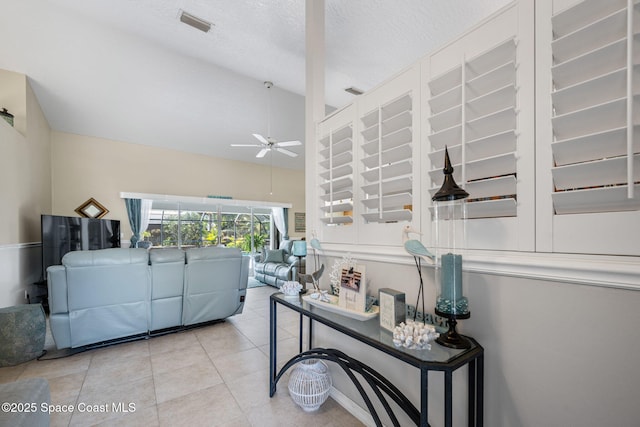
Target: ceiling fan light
x,y
195,22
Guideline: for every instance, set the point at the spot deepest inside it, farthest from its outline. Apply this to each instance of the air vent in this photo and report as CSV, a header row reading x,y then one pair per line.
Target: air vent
x,y
195,22
354,91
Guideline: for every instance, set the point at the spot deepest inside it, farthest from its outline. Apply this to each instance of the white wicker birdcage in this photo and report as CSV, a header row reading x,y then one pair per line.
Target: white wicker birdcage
x,y
310,384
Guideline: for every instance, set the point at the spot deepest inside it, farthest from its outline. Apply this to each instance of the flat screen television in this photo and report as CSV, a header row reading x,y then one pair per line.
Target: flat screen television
x,y
62,234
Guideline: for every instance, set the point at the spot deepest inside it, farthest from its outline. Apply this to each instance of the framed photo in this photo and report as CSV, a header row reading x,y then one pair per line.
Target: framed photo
x,y
353,289
300,222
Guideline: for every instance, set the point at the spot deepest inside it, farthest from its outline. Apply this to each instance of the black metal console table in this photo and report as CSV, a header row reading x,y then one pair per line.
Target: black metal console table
x,y
439,358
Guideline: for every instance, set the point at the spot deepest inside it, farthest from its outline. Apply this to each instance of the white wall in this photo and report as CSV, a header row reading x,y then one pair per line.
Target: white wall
x,y
556,354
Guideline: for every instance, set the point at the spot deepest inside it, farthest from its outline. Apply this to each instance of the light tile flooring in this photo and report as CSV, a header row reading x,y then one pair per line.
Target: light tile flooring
x,y
211,376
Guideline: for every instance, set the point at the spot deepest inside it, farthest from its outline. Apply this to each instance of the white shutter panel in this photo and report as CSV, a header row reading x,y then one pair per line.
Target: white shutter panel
x,y
336,176
596,111
387,141
473,114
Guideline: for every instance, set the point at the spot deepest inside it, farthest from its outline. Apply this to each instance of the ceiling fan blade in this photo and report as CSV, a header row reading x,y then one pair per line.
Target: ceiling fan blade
x,y
260,138
262,153
287,152
246,145
288,143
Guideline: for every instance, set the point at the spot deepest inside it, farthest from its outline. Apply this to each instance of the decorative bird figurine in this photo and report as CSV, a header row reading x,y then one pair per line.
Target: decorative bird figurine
x,y
311,278
415,247
315,245
419,252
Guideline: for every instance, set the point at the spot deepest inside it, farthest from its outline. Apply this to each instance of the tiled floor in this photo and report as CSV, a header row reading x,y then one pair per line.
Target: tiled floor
x,y
211,376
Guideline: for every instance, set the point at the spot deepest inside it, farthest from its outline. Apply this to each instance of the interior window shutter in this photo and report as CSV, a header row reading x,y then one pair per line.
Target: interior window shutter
x,y
595,120
473,114
596,111
387,166
336,176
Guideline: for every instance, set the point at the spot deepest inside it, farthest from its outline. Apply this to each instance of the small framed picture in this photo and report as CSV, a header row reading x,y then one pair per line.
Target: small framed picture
x,y
353,289
91,209
392,308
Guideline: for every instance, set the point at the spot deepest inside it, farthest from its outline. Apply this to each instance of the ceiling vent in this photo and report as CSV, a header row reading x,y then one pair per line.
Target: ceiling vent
x,y
354,91
195,22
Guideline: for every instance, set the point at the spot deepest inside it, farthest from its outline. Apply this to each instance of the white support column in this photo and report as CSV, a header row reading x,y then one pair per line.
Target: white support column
x,y
630,93
314,102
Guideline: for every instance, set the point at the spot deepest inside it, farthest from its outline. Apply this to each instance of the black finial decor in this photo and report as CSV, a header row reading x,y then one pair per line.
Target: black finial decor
x,y
449,190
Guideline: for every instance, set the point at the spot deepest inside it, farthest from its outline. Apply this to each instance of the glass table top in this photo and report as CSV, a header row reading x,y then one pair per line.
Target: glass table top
x,y
370,332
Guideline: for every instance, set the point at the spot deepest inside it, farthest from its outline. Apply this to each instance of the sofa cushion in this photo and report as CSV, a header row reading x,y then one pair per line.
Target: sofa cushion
x,y
287,247
112,256
275,255
283,272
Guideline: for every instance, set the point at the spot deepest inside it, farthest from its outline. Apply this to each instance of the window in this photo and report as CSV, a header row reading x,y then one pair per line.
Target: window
x,y
478,101
387,141
593,145
249,231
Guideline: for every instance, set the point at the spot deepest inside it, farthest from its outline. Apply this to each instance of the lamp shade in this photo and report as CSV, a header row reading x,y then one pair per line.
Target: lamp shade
x,y
300,248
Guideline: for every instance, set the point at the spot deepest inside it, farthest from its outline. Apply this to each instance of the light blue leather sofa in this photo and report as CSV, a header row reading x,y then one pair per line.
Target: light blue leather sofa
x,y
275,267
106,294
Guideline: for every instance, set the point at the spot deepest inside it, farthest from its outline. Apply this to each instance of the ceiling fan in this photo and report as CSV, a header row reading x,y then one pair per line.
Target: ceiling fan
x,y
268,144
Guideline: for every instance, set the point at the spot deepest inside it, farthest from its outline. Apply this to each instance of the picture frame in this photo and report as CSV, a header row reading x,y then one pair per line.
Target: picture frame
x,y
393,310
91,209
300,222
353,288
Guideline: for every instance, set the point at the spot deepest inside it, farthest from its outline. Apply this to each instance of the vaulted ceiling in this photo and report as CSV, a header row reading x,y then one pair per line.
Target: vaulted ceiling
x,y
129,70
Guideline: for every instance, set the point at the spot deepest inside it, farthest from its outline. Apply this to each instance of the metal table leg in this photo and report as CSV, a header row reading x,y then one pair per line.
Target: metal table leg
x,y
480,391
424,398
472,393
272,348
300,336
448,397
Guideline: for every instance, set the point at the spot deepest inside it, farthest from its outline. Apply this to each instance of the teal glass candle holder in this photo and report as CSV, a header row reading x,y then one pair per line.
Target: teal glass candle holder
x,y
449,222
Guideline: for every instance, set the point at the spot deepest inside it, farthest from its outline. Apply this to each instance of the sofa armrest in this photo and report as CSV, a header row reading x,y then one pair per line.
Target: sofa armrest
x,y
57,287
256,256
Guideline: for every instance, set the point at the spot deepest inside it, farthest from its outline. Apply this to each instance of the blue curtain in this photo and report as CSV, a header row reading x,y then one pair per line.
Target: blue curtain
x,y
285,212
134,212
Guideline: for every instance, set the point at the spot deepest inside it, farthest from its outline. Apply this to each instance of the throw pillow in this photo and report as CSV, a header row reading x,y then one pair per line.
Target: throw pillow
x,y
275,255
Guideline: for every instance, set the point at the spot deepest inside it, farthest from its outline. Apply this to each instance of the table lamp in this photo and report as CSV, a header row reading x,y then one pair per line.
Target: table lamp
x,y
300,250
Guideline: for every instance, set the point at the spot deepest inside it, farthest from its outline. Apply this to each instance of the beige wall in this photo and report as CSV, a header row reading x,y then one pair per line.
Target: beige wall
x,y
13,98
25,171
25,188
85,167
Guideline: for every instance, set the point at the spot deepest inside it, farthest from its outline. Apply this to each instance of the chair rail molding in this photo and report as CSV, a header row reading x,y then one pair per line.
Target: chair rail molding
x,y
621,272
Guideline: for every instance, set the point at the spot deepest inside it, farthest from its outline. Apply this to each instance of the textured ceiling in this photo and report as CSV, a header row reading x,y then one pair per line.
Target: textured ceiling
x,y
129,70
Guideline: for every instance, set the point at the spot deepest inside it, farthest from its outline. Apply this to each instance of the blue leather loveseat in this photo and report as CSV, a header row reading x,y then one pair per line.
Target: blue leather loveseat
x,y
275,267
106,294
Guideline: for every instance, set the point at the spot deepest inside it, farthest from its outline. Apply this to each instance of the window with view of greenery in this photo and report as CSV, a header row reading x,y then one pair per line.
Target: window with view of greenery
x,y
173,228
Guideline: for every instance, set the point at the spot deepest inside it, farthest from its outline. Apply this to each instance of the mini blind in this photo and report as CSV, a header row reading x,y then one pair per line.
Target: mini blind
x,y
596,107
474,115
387,167
336,176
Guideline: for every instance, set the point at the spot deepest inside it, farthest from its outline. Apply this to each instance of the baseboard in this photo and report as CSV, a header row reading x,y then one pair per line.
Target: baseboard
x,y
350,406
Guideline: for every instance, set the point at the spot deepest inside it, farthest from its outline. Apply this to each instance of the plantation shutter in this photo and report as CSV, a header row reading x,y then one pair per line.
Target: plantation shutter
x,y
336,176
596,111
473,114
387,166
